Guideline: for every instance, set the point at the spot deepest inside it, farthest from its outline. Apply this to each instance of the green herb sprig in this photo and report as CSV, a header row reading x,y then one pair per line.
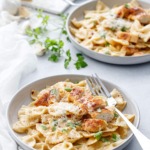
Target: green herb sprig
x,y
54,47
80,63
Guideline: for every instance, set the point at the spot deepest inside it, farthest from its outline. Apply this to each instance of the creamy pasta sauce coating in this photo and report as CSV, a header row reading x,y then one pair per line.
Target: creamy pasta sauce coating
x,y
119,31
67,116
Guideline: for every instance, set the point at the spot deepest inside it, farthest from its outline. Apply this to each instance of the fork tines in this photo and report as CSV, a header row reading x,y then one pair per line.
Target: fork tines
x,y
96,86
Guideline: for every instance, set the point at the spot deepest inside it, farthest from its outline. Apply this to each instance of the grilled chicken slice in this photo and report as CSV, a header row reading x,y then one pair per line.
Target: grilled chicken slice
x,y
75,94
93,125
144,18
47,97
92,103
129,12
104,114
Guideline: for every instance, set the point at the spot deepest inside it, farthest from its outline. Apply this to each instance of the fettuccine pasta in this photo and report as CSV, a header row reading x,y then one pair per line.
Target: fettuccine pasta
x,y
66,116
119,31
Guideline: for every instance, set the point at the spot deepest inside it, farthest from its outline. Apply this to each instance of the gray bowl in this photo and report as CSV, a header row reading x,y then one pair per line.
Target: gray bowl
x,y
78,13
22,97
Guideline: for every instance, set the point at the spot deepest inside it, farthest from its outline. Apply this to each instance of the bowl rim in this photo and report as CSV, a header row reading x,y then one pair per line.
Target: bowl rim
x,y
20,142
68,21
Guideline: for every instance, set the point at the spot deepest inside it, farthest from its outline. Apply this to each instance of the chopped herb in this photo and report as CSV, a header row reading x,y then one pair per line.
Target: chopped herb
x,y
115,137
29,32
103,35
70,124
107,53
76,82
68,39
68,59
53,58
127,6
53,128
124,29
113,28
107,44
55,122
43,127
64,130
32,41
104,140
73,125
80,63
54,92
116,115
68,89
55,47
64,119
98,135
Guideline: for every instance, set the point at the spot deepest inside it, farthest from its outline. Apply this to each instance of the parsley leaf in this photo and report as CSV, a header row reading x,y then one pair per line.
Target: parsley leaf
x,y
80,63
54,47
73,125
53,58
53,91
116,115
43,127
53,128
107,44
68,89
68,59
115,137
64,130
124,29
98,135
104,140
127,6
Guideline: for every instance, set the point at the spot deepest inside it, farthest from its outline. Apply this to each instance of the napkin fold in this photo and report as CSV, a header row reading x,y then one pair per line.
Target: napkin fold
x,y
16,60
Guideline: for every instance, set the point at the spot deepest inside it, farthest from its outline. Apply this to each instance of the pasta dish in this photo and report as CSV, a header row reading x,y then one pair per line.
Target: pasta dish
x,y
119,31
66,116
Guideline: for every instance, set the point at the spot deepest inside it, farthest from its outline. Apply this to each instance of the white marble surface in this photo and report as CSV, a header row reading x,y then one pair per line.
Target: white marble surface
x,y
135,80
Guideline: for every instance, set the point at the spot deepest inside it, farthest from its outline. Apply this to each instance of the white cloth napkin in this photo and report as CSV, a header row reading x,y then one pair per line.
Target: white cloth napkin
x,y
16,60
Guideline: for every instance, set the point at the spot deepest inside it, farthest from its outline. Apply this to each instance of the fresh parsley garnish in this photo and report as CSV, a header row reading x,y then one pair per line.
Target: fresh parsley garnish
x,y
64,130
115,137
98,135
127,6
103,35
53,128
63,29
104,139
43,127
55,122
73,124
80,63
68,89
54,91
124,29
68,59
54,47
116,115
113,29
107,44
54,125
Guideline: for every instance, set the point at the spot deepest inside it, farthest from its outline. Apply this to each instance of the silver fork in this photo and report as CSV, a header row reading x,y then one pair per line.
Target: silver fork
x,y
98,88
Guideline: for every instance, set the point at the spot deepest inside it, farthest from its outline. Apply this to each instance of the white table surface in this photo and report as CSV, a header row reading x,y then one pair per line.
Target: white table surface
x,y
134,80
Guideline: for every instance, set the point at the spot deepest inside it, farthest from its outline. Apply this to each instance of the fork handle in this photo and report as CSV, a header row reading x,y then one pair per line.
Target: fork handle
x,y
142,139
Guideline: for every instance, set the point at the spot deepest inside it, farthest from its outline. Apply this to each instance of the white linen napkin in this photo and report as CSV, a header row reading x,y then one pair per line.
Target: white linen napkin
x,y
16,60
